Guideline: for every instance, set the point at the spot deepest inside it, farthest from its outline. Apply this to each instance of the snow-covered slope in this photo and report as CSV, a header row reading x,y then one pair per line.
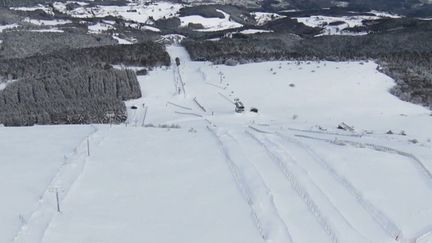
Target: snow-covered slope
x,y
186,168
29,160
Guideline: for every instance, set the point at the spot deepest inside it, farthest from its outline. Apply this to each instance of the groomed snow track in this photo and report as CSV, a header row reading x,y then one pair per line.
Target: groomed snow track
x,y
252,187
376,214
317,202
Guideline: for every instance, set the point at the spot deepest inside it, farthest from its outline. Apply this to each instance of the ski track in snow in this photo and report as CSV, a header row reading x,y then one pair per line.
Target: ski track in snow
x,y
276,155
380,218
380,148
64,180
268,222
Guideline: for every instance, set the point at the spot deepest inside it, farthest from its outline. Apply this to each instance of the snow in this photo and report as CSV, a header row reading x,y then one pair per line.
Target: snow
x,y
4,84
210,24
100,27
172,38
8,26
385,14
44,8
185,167
348,22
151,28
47,22
254,31
29,158
159,197
54,30
263,17
123,41
139,11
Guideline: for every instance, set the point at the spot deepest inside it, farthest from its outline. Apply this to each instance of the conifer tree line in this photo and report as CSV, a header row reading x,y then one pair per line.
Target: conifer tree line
x,y
74,86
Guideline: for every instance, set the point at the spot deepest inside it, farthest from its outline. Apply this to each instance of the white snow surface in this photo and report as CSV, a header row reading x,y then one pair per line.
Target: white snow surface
x,y
55,30
186,168
29,159
211,24
42,7
8,26
47,22
348,22
122,41
100,27
138,11
254,31
6,83
264,17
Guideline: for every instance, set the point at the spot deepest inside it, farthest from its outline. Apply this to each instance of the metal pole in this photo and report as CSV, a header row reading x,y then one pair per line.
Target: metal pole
x,y
58,201
144,117
88,147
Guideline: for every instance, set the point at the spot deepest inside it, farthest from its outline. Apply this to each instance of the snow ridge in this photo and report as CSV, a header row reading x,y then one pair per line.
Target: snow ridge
x,y
266,217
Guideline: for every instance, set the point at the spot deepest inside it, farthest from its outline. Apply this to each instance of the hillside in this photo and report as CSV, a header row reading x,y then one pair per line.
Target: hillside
x,y
169,171
215,121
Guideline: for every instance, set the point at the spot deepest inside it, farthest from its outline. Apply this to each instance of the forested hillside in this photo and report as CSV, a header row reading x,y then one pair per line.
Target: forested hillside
x,y
74,86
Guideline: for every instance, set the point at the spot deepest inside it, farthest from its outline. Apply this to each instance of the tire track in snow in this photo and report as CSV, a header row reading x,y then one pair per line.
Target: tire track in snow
x,y
377,215
34,230
276,155
253,189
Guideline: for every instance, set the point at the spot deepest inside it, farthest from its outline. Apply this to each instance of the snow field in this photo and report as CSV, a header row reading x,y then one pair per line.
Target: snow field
x,y
346,22
186,168
307,187
211,24
29,160
153,186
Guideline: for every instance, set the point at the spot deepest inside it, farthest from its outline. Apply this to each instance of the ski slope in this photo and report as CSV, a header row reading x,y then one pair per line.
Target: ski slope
x,y
29,160
185,167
